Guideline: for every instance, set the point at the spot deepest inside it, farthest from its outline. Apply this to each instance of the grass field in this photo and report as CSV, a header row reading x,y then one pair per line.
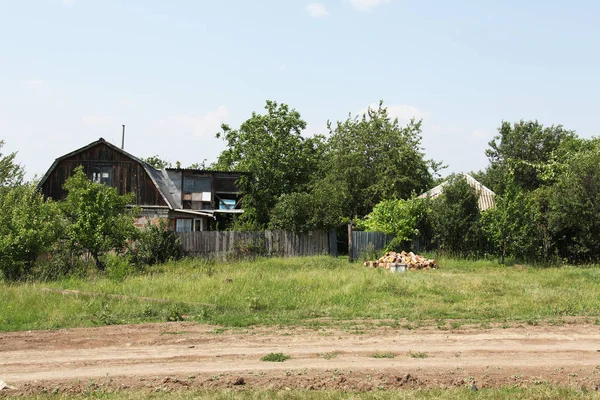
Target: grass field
x,y
307,291
538,392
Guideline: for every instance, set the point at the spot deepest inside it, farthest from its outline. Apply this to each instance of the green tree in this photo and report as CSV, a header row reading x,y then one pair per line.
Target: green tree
x,y
574,207
526,148
11,173
455,217
157,162
280,160
306,211
405,219
29,226
99,219
510,225
373,158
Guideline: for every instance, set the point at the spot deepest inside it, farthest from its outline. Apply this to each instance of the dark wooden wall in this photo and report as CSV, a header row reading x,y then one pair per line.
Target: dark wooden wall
x,y
128,175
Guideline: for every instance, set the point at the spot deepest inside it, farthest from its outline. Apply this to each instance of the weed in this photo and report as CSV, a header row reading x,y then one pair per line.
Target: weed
x,y
329,356
176,311
455,325
417,354
383,355
275,357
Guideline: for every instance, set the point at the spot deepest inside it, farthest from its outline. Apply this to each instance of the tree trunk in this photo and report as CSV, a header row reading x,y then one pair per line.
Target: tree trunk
x,y
99,264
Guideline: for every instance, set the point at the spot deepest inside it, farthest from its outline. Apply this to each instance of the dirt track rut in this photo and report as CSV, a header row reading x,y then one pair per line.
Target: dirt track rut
x,y
187,354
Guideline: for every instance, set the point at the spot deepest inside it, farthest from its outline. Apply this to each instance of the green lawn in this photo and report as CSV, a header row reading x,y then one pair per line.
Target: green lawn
x,y
300,291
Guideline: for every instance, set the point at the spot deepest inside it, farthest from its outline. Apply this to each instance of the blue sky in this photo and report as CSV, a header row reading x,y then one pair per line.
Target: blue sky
x,y
72,71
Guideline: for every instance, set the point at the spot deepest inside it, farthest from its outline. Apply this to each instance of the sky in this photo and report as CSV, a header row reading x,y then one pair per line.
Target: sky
x,y
72,71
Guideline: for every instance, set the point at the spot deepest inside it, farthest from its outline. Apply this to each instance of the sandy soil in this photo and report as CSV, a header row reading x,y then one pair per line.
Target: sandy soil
x,y
173,356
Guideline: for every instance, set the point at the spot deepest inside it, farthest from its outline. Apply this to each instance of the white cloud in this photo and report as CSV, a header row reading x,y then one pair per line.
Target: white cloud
x,y
205,125
283,67
403,112
68,2
367,5
317,10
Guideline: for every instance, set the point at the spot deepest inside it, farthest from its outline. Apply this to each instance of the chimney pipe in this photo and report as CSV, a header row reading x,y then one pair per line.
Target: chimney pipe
x,y
123,139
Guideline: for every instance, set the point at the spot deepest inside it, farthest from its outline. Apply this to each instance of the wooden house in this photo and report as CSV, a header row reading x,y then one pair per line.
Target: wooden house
x,y
191,200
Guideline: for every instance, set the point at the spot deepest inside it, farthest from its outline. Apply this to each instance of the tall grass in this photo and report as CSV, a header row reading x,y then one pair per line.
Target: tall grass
x,y
302,291
538,392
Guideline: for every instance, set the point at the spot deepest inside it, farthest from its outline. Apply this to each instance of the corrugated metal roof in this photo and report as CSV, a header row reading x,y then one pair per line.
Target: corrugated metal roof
x,y
486,196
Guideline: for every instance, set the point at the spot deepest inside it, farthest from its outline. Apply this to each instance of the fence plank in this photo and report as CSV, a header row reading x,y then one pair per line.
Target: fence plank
x,y
217,244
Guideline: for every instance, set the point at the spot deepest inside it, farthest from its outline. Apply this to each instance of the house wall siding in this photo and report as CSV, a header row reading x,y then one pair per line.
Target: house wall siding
x,y
127,175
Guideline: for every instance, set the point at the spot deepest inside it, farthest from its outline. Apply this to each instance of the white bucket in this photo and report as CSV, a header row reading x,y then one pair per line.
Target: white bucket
x,y
393,268
401,268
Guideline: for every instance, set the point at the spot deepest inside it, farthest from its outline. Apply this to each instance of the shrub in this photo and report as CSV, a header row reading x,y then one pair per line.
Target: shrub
x,y
275,357
29,226
156,245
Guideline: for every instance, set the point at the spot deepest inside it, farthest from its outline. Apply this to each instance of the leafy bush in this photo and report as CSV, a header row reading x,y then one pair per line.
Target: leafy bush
x,y
156,245
455,217
405,219
574,212
29,226
118,267
275,357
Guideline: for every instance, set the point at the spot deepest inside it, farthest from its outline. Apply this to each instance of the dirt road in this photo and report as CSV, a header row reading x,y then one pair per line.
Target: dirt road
x,y
180,355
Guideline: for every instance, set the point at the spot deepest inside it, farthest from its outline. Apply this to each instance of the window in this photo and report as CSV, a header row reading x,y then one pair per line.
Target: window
x,y
226,204
198,225
183,225
102,174
196,184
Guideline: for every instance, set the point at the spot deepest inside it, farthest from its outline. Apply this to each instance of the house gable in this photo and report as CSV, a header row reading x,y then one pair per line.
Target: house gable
x,y
105,163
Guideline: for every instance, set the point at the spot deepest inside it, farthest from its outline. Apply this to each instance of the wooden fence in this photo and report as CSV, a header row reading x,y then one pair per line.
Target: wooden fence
x,y
368,242
216,244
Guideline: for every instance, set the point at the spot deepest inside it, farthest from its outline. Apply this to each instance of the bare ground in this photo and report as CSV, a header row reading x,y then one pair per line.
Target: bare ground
x,y
173,356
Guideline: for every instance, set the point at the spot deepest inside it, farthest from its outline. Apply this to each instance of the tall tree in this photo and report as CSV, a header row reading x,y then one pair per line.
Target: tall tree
x,y
279,160
99,219
526,148
11,173
574,212
372,158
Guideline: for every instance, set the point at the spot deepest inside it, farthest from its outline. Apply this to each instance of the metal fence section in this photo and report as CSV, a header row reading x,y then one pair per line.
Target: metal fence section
x,y
220,244
368,242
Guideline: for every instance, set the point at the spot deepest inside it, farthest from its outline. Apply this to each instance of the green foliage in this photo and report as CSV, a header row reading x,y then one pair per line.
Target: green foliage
x,y
455,217
574,206
373,158
383,355
301,212
99,219
275,357
118,266
281,161
29,226
405,219
510,226
529,150
157,162
11,173
156,244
